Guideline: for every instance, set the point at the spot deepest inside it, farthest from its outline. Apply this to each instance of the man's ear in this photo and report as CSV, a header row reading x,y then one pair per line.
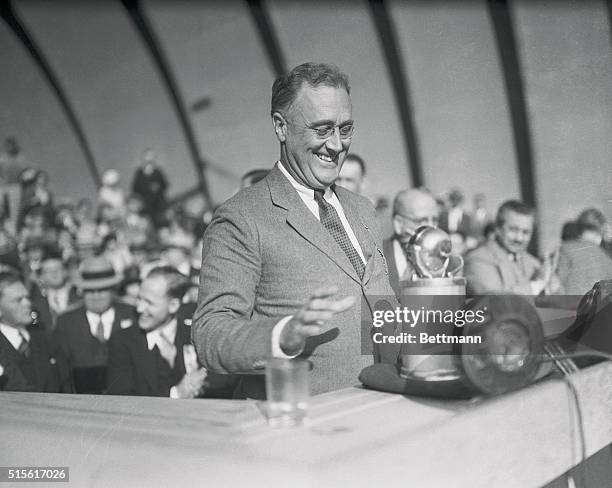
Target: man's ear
x,y
397,225
280,126
174,305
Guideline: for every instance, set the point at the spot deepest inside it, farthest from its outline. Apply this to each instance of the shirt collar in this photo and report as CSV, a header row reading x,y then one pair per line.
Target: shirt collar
x,y
303,190
514,257
168,331
107,317
14,335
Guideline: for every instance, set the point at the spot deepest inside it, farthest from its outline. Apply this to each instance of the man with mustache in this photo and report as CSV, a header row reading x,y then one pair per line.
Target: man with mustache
x,y
503,264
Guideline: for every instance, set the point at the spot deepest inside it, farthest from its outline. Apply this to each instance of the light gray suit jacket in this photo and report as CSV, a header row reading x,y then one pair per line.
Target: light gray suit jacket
x,y
264,255
488,269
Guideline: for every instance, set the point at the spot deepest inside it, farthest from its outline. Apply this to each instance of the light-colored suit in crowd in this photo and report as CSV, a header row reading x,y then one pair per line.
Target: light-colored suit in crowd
x,y
491,269
264,255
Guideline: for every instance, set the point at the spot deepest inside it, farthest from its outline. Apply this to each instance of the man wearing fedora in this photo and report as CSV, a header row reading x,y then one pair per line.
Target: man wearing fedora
x,y
84,330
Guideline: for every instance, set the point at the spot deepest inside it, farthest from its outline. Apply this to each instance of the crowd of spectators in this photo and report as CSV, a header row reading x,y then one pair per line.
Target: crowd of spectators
x,y
81,265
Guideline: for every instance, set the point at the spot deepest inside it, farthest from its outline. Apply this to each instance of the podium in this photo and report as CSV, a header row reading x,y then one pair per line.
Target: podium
x,y
353,437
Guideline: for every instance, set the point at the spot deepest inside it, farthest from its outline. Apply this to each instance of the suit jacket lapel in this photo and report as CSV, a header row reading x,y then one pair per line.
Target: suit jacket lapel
x,y
7,348
304,223
116,320
362,232
505,266
145,358
183,336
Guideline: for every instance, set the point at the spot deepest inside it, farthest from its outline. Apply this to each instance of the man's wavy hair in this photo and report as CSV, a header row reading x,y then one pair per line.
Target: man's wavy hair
x,y
177,283
286,87
515,206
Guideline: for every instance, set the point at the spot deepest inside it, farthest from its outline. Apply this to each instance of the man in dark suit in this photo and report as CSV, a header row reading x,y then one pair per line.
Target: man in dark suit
x,y
288,261
84,330
412,209
28,358
54,292
156,358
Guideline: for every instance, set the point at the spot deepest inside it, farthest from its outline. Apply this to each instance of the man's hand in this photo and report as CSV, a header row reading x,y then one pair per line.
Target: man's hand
x,y
309,320
191,384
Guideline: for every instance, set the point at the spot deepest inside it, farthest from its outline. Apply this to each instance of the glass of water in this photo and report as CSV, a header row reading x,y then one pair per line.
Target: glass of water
x,y
287,391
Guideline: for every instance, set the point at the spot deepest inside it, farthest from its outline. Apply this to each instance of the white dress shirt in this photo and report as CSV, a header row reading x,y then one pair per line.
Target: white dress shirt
x,y
307,196
107,317
58,298
454,217
14,335
401,263
154,337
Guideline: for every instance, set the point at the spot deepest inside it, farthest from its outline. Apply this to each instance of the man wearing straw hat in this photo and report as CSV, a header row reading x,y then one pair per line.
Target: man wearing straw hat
x,y
84,330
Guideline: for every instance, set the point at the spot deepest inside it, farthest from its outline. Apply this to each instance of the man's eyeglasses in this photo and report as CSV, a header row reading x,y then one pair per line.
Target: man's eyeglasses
x,y
326,131
417,222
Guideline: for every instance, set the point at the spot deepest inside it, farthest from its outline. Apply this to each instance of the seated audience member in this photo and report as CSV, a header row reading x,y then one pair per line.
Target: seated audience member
x,y
156,358
455,219
595,218
503,264
111,193
352,174
489,231
84,330
9,252
411,209
177,247
130,286
582,261
27,352
480,217
116,251
35,195
570,231
55,291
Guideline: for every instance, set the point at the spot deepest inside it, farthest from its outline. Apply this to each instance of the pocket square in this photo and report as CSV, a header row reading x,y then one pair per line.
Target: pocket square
x,y
126,323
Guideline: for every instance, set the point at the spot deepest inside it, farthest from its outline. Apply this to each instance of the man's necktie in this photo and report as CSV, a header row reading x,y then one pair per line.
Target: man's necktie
x,y
100,330
24,347
55,303
330,219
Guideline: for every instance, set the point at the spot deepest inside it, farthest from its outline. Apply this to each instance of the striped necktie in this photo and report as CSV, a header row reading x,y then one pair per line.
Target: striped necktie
x,y
100,330
24,347
330,219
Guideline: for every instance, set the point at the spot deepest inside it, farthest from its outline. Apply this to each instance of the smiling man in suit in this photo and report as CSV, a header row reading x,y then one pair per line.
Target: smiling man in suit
x,y
83,331
156,357
287,261
27,356
503,264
